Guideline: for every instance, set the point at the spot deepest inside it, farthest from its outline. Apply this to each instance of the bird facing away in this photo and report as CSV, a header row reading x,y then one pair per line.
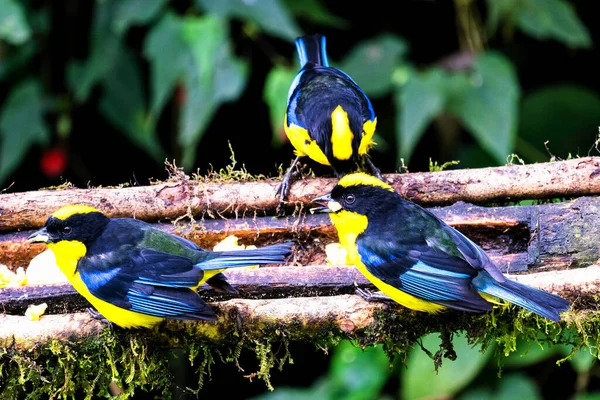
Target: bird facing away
x,y
136,275
329,118
418,260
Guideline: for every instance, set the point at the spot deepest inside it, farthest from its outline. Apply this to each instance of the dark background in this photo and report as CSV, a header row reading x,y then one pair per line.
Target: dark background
x,y
98,154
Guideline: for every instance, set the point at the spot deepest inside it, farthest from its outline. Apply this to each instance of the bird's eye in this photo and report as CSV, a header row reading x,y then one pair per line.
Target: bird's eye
x,y
349,199
66,230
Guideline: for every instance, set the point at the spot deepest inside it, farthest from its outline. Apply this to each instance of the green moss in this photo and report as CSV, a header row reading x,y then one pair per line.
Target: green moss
x,y
139,361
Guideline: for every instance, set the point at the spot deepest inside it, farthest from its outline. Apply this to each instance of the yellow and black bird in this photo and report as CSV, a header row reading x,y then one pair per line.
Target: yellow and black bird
x,y
329,118
136,275
418,260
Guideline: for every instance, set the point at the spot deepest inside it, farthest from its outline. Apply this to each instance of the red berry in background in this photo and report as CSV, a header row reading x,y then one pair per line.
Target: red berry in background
x,y
53,162
180,95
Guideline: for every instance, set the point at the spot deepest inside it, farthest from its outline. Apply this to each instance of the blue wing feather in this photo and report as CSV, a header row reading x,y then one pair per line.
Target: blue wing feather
x,y
425,274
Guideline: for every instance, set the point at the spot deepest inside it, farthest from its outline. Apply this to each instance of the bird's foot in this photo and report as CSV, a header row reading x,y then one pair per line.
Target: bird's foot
x,y
283,190
374,170
97,316
373,297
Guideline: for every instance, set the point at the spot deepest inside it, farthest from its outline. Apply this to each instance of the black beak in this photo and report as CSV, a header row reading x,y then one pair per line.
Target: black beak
x,y
323,203
40,236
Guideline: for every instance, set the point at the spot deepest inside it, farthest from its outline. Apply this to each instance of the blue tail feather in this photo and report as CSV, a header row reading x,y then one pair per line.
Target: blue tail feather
x,y
538,301
274,254
312,49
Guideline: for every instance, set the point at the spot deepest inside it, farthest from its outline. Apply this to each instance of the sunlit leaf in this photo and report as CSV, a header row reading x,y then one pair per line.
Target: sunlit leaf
x,y
552,19
420,380
104,49
358,374
418,102
169,56
509,387
13,24
275,94
488,107
315,11
270,15
566,116
123,103
21,125
135,12
371,63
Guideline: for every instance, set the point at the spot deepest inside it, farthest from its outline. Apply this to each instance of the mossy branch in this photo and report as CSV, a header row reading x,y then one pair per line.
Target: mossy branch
x,y
171,200
299,317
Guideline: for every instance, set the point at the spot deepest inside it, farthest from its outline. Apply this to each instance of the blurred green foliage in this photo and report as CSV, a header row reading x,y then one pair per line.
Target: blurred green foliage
x,y
189,58
357,374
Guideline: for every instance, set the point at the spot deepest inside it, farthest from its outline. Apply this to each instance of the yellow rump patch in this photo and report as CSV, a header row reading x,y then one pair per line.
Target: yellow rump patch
x,y
304,144
68,211
360,178
341,134
367,140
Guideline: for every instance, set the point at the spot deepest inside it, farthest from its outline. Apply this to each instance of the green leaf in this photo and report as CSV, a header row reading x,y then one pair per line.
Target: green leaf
x,y
371,63
498,10
552,19
418,102
272,16
513,386
529,353
169,55
581,361
564,115
588,396
21,125
135,12
123,104
275,93
13,24
230,76
321,390
105,46
315,11
358,374
488,106
216,76
420,380
16,59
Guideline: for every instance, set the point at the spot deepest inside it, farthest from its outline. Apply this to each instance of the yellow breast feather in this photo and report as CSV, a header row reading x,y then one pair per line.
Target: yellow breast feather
x,y
349,225
67,255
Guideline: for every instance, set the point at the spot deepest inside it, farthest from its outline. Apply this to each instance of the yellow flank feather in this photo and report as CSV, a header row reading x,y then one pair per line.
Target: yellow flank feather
x,y
367,140
349,225
67,211
303,144
341,134
360,178
68,253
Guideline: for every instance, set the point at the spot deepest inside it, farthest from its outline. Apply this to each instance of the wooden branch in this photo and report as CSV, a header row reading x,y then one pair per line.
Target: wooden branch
x,y
347,313
170,200
286,282
518,238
